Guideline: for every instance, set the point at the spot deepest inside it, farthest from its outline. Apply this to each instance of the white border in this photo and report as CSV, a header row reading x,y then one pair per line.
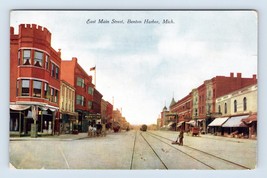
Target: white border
x,y
6,6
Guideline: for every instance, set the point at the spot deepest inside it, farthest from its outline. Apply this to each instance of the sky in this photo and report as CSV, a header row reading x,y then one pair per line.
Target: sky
x,y
142,66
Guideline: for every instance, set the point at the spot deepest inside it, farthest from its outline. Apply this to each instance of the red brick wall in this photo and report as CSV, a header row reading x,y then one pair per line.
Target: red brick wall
x,y
32,37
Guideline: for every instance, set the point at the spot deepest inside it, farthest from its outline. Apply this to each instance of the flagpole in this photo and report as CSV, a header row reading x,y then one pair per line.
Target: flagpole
x,y
95,77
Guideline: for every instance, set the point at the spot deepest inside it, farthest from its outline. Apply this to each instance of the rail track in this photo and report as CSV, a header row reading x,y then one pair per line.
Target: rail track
x,y
208,160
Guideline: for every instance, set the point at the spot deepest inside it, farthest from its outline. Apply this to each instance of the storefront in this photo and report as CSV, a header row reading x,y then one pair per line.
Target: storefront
x,y
23,117
251,122
234,127
215,127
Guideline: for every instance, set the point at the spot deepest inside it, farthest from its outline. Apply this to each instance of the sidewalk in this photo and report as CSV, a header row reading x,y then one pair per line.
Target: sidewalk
x,y
63,137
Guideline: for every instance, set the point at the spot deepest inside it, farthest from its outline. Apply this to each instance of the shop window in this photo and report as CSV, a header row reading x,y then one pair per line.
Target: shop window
x,y
80,82
25,87
37,88
245,104
38,58
26,57
235,106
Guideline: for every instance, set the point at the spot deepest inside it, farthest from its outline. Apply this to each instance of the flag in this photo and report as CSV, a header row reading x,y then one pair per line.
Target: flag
x,y
92,68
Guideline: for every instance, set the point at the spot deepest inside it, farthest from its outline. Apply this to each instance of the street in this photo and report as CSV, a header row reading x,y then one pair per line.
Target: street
x,y
133,150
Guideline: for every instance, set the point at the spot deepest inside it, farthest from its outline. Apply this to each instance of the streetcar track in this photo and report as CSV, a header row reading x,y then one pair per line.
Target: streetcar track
x,y
131,167
195,149
154,151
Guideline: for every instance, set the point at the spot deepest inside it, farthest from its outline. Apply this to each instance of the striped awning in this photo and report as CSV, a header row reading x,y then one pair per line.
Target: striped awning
x,y
218,121
235,121
17,107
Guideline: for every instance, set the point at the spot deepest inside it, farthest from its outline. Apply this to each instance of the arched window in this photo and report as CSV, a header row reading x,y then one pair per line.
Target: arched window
x,y
245,103
235,106
225,108
219,109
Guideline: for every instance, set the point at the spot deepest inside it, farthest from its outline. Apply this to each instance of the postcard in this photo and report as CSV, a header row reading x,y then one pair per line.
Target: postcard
x,y
133,89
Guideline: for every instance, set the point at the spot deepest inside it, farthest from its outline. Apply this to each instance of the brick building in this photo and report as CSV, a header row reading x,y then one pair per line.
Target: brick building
x,y
76,76
199,106
34,81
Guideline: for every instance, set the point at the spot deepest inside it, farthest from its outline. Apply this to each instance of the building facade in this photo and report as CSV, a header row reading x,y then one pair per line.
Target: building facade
x,y
241,103
68,116
34,81
76,76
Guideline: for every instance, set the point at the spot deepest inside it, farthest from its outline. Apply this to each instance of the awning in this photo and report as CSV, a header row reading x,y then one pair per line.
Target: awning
x,y
235,122
180,123
218,121
18,107
250,119
192,122
170,124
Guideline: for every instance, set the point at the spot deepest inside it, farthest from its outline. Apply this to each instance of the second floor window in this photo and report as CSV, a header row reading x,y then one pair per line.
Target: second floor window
x,y
37,88
46,62
25,87
245,104
219,109
46,90
235,106
80,100
38,58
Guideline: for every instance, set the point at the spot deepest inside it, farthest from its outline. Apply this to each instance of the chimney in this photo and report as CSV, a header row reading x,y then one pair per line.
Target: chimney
x,y
74,59
59,52
239,75
231,74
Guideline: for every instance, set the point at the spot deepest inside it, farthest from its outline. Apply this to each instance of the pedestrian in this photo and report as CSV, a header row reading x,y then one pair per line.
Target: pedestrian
x,y
90,131
98,128
181,137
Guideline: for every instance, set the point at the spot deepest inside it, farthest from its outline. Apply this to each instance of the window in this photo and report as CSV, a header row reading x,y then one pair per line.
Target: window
x,y
26,57
19,57
80,100
52,95
38,58
47,62
90,104
235,106
37,88
80,82
57,73
25,87
195,112
46,90
245,104
225,108
17,88
90,90
56,96
219,108
52,70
